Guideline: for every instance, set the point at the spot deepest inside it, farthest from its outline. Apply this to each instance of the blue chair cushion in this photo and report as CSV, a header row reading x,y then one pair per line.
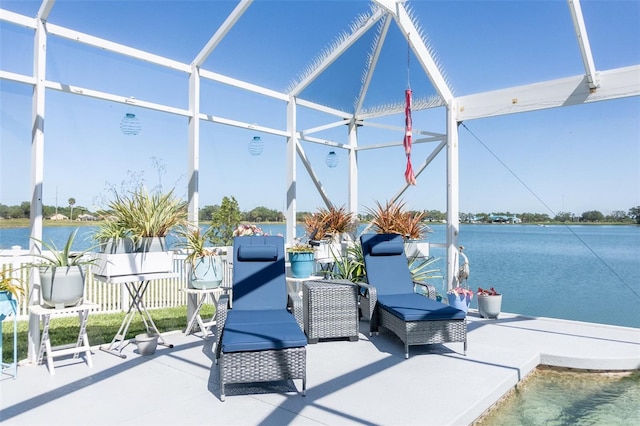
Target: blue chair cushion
x,y
238,337
236,316
264,253
387,248
259,274
387,270
414,307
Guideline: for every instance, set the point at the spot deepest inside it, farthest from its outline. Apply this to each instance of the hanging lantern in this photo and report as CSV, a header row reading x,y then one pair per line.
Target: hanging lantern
x,y
332,159
130,125
255,146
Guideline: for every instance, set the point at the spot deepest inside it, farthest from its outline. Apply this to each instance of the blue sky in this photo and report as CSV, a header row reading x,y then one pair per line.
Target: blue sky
x,y
575,159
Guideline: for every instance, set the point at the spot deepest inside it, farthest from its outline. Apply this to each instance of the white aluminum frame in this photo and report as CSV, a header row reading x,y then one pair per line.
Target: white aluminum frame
x,y
593,86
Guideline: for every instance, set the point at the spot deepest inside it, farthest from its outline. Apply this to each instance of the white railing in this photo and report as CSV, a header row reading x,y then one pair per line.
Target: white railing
x,y
165,293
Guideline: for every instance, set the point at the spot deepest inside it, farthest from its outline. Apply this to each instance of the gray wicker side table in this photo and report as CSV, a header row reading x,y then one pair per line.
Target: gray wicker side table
x,y
330,309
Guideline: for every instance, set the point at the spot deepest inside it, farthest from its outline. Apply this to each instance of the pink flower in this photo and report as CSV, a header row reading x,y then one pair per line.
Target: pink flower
x,y
247,229
464,291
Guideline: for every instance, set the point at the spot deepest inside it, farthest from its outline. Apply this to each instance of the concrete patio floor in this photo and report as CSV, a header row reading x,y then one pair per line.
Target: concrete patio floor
x,y
364,382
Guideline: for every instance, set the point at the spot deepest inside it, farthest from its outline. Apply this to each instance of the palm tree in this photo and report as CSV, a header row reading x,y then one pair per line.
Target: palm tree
x,y
72,202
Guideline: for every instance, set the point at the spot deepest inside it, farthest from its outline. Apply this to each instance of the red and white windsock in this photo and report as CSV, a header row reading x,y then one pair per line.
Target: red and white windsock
x,y
408,174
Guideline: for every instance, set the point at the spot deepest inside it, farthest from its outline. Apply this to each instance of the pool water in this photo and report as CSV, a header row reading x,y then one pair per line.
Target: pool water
x,y
569,397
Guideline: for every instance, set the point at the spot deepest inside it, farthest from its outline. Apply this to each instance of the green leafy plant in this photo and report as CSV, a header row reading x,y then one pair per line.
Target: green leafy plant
x,y
147,214
62,257
421,268
111,229
349,266
224,220
193,240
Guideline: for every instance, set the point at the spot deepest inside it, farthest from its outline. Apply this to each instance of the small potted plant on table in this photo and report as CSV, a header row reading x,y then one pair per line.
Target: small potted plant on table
x,y
204,263
10,289
147,218
330,230
62,274
302,260
460,298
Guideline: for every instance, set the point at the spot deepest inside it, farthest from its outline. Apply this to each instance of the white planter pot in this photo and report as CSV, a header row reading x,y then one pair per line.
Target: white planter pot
x,y
114,246
415,248
113,265
489,306
62,287
147,343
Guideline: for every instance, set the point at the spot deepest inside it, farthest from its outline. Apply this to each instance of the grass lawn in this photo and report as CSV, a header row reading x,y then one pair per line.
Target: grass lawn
x,y
101,328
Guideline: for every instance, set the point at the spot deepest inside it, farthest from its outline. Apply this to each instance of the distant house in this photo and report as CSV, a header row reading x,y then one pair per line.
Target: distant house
x,y
504,219
59,216
86,217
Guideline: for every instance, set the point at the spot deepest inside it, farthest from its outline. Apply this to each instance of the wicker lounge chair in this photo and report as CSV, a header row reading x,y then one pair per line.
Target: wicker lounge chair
x,y
389,300
260,340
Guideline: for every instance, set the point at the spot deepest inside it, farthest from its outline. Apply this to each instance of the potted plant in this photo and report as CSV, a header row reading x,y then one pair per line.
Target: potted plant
x,y
331,229
10,287
460,298
204,263
114,237
489,303
302,260
350,266
62,273
392,218
147,218
10,290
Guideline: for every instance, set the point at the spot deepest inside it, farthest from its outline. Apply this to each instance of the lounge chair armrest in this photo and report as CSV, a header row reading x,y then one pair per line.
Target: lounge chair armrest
x,y
294,305
221,318
368,299
429,288
364,288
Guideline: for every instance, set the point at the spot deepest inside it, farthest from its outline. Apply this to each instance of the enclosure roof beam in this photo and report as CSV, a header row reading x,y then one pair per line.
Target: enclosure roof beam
x,y
425,58
614,84
583,42
340,47
45,9
17,19
373,62
220,78
116,48
222,32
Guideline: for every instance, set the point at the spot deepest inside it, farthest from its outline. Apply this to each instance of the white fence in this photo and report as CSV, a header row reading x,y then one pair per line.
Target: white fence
x,y
164,293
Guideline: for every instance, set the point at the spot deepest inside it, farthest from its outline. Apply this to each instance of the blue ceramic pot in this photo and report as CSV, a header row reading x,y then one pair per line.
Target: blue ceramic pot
x,y
459,301
301,264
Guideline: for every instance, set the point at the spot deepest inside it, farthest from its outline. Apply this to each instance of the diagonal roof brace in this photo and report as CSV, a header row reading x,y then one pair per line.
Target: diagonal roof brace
x,y
222,32
45,9
583,42
408,28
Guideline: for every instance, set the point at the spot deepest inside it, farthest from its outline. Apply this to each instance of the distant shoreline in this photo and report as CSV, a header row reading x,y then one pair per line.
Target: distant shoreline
x,y
25,223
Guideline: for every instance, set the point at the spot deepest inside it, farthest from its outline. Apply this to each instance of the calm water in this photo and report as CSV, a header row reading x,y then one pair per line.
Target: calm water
x,y
552,398
584,273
